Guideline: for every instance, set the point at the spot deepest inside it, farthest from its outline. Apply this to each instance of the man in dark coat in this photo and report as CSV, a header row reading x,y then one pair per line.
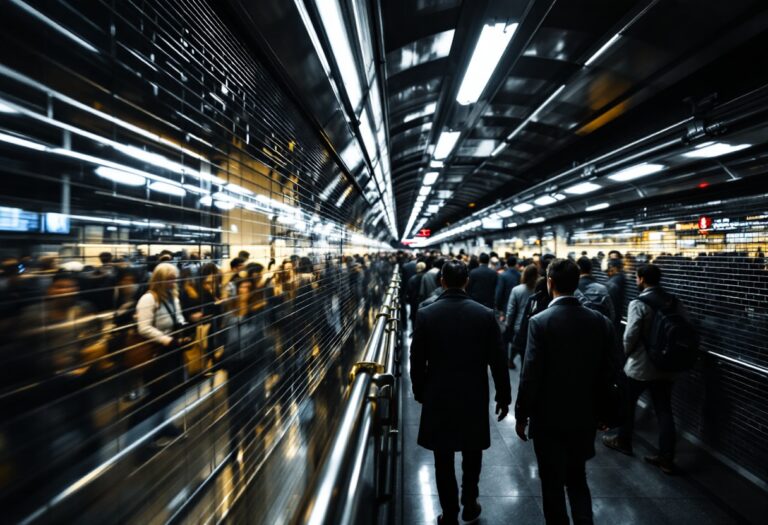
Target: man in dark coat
x,y
508,279
572,351
482,282
454,342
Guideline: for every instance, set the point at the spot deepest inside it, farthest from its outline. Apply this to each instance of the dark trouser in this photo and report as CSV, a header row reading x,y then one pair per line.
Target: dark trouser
x,y
445,475
561,465
661,395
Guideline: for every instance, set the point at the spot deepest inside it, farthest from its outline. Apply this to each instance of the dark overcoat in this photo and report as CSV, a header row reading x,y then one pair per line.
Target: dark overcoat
x,y
482,285
454,342
572,351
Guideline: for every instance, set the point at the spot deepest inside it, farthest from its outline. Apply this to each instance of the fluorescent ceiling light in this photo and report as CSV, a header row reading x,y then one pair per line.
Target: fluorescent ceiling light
x,y
421,198
489,49
436,164
595,207
498,149
559,197
545,200
511,225
582,188
123,177
224,205
445,144
11,139
522,207
430,178
635,172
167,187
709,150
428,110
336,31
424,190
6,109
602,49
206,201
433,208
505,214
537,220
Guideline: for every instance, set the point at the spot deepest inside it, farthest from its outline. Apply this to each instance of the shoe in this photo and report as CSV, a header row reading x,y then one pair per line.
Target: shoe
x,y
472,511
615,443
442,520
667,466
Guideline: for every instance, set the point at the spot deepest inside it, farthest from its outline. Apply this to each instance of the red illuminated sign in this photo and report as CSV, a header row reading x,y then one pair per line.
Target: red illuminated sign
x,y
705,222
424,232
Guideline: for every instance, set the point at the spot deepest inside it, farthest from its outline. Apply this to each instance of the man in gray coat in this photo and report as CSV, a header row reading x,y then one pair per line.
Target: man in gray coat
x,y
643,375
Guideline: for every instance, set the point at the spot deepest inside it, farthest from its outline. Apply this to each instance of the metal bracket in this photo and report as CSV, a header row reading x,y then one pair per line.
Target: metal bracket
x,y
366,366
382,380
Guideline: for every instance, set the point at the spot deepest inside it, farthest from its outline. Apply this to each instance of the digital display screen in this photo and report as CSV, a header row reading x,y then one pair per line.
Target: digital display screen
x,y
18,220
56,223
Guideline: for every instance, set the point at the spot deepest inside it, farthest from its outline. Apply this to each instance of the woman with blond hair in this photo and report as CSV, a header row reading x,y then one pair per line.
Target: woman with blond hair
x,y
160,320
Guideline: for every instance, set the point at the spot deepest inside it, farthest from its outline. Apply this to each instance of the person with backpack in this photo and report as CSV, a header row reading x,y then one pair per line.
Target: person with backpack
x,y
591,293
659,343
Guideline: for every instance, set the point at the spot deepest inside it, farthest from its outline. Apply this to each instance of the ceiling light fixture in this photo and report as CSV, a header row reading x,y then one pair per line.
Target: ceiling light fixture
x,y
709,150
122,177
168,188
537,220
436,164
595,207
505,214
430,178
490,47
336,31
602,49
522,207
582,188
424,190
445,144
545,200
635,172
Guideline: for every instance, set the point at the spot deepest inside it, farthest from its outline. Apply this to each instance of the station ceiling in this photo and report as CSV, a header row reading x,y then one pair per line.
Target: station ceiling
x,y
578,76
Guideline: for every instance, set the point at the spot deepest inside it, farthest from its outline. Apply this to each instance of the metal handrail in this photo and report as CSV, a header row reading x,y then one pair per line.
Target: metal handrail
x,y
332,496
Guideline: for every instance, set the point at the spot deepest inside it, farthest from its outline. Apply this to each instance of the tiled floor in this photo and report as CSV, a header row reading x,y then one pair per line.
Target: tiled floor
x,y
625,490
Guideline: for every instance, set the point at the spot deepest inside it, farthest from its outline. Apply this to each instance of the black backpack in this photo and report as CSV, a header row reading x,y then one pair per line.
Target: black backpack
x,y
673,342
594,300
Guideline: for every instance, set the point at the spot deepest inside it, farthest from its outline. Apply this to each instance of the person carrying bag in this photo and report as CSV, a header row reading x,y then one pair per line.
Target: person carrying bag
x,y
160,322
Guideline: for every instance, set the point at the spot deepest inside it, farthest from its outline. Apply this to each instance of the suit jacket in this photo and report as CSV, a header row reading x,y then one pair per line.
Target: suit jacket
x,y
482,285
572,351
508,279
454,342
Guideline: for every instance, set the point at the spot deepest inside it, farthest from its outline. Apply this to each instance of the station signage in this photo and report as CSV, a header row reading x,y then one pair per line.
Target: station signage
x,y
424,232
705,222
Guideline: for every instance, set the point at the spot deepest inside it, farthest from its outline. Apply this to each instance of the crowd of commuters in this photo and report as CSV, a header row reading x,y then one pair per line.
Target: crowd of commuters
x,y
583,367
91,352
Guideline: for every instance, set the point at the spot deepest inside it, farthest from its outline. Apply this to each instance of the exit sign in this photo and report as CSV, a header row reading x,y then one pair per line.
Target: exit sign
x,y
424,232
705,222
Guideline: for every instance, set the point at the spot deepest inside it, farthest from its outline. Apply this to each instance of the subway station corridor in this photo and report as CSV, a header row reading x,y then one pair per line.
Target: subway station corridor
x,y
230,228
